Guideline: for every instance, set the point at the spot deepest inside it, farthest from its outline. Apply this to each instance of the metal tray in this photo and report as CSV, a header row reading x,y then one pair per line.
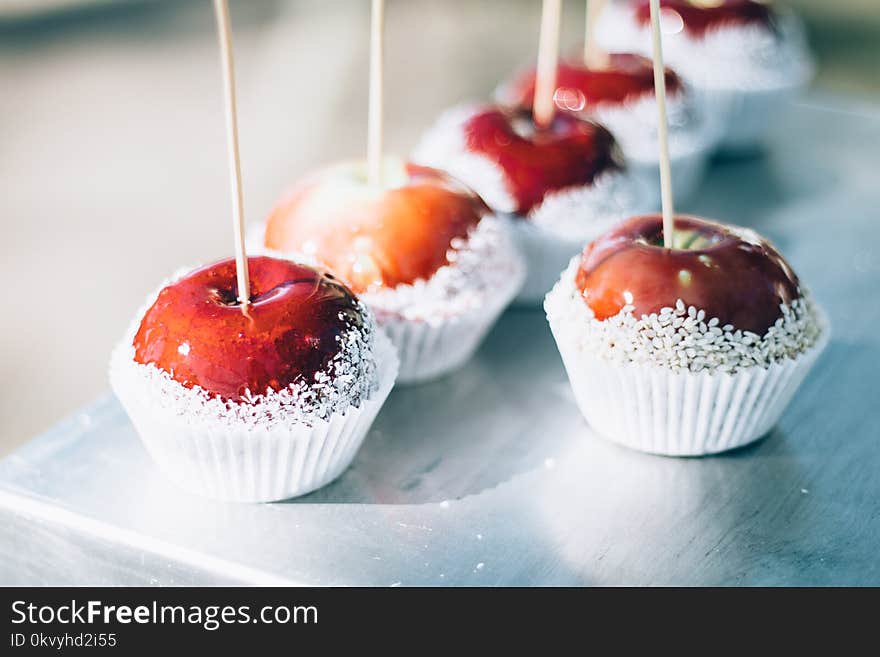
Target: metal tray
x,y
491,477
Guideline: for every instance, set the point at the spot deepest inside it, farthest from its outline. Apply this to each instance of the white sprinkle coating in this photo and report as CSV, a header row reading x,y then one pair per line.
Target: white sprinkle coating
x,y
479,265
350,378
743,56
681,337
573,211
583,212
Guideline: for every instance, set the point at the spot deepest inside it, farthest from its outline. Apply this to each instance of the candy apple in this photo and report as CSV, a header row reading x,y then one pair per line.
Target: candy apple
x,y
729,272
196,330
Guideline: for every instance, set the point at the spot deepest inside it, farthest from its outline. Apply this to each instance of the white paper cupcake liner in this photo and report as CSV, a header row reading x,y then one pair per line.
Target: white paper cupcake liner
x,y
745,112
745,117
431,349
546,255
680,413
687,173
244,463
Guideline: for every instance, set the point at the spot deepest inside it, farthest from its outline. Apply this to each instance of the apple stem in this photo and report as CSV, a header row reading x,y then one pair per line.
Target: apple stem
x,y
662,129
594,56
374,134
548,55
224,34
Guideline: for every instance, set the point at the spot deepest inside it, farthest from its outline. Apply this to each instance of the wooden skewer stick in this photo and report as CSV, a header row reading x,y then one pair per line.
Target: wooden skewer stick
x,y
594,56
224,34
662,129
548,54
374,134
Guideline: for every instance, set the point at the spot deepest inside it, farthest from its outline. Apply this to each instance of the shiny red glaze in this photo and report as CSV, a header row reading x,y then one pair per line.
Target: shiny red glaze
x,y
579,88
196,331
572,151
737,276
392,237
698,19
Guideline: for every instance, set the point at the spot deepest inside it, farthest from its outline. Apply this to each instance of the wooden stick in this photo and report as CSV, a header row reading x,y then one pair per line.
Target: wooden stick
x,y
662,129
594,56
374,134
548,55
224,34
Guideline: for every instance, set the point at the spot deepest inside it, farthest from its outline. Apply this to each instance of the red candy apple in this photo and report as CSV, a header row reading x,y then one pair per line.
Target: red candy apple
x,y
729,272
374,238
699,16
570,152
196,331
580,88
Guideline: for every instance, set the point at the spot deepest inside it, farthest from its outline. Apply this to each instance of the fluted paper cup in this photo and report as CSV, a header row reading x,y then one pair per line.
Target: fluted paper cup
x,y
546,254
687,173
246,462
746,116
658,410
430,349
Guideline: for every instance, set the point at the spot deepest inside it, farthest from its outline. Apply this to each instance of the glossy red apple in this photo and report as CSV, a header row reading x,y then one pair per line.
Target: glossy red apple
x,y
570,152
579,88
196,331
729,272
699,16
374,238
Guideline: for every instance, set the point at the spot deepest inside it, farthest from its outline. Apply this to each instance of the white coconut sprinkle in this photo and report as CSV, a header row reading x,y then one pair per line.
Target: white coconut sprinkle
x,y
743,56
682,337
610,196
350,378
583,212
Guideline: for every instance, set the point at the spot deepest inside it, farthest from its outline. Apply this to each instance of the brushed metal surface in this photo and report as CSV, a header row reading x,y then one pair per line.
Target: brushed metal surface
x,y
491,477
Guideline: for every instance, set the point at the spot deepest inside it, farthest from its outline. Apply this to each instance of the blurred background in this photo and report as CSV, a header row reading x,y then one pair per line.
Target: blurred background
x,y
112,151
